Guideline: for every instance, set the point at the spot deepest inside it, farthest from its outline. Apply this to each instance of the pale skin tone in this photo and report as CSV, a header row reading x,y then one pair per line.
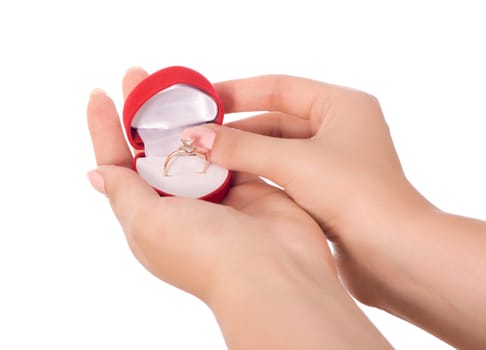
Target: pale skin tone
x,y
258,260
329,148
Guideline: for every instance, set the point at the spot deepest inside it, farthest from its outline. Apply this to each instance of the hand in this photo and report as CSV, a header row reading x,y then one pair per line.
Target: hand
x,y
330,149
200,238
258,245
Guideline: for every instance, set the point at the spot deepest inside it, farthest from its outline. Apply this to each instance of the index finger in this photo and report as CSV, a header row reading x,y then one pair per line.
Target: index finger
x,y
300,97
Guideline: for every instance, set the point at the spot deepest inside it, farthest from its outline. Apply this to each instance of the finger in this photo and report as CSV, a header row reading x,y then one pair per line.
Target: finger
x,y
129,195
246,190
270,157
132,78
275,124
106,132
133,202
301,97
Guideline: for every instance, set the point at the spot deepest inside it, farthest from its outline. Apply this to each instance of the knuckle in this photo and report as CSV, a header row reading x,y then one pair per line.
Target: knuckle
x,y
366,98
364,104
371,101
275,96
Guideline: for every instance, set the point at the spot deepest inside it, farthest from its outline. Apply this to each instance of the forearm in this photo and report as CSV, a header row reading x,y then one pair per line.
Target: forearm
x,y
429,267
289,311
444,276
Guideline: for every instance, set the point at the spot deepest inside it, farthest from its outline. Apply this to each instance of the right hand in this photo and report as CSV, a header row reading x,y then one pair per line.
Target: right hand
x,y
330,149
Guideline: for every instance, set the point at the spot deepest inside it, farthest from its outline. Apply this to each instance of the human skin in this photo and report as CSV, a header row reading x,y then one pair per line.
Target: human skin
x,y
330,149
258,260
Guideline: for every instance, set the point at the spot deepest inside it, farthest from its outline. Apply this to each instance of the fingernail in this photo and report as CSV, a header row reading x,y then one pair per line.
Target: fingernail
x,y
202,135
135,68
97,91
97,181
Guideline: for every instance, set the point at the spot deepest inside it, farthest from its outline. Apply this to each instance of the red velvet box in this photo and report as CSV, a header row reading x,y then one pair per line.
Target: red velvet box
x,y
155,113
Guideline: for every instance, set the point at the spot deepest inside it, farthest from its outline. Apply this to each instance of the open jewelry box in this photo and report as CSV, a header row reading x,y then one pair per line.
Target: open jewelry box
x,y
155,113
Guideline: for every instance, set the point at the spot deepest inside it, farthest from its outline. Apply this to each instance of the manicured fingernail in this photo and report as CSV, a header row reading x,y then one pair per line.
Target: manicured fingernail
x,y
98,91
97,181
202,135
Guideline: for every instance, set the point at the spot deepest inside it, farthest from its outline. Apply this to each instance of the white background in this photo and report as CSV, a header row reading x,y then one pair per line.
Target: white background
x,y
67,278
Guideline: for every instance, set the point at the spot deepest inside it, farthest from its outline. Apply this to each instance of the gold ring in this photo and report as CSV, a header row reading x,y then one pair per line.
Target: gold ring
x,y
187,149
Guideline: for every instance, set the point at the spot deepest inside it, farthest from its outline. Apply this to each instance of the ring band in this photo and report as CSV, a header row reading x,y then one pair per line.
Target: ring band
x,y
187,149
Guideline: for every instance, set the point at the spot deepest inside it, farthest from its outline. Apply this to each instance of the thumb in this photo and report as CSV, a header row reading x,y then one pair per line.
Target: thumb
x,y
127,192
238,150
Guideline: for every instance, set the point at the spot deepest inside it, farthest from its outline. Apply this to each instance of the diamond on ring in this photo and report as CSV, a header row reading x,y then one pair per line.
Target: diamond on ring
x,y
187,149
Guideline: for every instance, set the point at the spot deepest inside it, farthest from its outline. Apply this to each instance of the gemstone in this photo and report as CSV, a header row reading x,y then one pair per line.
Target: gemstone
x,y
187,145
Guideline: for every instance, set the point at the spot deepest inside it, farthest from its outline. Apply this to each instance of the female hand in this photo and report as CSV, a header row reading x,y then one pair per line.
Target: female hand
x,y
258,260
330,149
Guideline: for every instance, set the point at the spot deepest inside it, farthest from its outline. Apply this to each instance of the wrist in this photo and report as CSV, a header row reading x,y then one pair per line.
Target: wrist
x,y
251,302
277,305
433,261
267,274
377,231
380,209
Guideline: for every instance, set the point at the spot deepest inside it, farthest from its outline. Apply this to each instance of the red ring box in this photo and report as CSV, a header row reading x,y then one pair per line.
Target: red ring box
x,y
155,113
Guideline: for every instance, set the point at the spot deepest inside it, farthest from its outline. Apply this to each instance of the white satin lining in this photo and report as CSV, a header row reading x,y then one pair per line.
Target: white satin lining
x,y
161,120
